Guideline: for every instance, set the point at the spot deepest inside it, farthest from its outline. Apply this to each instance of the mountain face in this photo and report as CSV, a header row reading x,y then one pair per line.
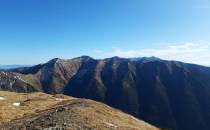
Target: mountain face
x,y
167,94
38,111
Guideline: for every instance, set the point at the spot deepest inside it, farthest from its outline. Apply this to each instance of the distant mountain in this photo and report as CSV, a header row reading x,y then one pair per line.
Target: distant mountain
x,y
12,66
38,111
145,59
167,94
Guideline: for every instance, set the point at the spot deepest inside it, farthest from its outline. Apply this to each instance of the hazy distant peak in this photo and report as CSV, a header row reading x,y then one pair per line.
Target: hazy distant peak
x,y
12,66
152,58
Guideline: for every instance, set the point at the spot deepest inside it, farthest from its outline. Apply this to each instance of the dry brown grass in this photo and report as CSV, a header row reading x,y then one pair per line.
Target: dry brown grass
x,y
30,103
99,116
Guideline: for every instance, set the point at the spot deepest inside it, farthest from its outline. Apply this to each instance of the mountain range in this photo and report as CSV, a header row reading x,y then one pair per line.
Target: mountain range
x,y
3,67
168,94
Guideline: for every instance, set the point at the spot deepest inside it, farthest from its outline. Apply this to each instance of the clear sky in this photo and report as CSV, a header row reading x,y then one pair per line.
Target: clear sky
x,y
34,31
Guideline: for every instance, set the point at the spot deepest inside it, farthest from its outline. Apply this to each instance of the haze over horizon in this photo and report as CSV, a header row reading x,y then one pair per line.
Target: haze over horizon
x,y
36,31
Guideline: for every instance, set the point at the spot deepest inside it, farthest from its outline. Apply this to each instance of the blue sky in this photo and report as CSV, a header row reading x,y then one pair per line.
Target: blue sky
x,y
34,31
